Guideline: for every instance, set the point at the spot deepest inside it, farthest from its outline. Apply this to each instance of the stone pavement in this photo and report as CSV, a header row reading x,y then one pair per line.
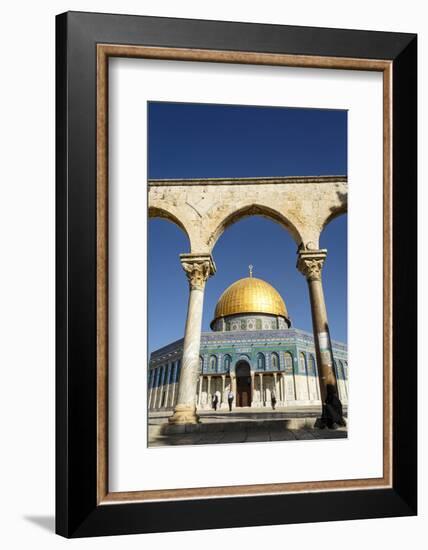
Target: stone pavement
x,y
240,426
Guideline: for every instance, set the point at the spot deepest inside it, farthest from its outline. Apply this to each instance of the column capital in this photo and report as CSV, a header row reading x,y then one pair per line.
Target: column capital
x,y
311,262
198,268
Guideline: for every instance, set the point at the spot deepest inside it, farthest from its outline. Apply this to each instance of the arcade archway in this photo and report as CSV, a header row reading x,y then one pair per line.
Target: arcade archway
x,y
243,384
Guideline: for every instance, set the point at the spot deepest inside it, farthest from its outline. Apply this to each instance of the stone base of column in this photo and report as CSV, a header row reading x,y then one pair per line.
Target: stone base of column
x,y
326,420
184,414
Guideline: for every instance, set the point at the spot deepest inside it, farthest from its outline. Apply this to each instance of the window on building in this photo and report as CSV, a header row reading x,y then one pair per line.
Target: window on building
x,y
258,324
213,363
227,325
226,362
288,359
302,363
275,361
261,361
312,368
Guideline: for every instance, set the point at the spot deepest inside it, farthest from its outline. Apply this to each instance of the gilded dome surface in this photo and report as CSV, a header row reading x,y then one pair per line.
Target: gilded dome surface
x,y
250,295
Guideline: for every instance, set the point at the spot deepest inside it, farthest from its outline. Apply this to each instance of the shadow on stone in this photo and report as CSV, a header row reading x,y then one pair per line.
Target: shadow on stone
x,y
239,425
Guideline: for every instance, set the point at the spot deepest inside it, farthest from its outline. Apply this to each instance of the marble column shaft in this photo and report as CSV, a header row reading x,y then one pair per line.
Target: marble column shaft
x,y
223,385
201,381
168,375
174,375
310,264
198,268
233,384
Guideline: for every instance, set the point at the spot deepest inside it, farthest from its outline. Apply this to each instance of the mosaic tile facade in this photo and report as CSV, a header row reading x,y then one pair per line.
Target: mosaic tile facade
x,y
282,361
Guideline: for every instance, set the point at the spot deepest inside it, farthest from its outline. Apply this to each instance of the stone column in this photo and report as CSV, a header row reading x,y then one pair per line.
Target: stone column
x,y
275,386
310,264
198,268
157,377
149,397
262,401
201,381
282,387
223,385
174,375
160,388
233,386
253,388
168,376
209,400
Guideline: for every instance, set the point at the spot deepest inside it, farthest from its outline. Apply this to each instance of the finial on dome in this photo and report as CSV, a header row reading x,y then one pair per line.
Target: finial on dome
x,y
250,267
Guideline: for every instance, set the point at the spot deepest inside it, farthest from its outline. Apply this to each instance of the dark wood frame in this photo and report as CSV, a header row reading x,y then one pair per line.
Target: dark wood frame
x,y
84,507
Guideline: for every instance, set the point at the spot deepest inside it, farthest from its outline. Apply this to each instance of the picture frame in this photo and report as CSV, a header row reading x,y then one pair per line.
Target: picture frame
x,y
84,44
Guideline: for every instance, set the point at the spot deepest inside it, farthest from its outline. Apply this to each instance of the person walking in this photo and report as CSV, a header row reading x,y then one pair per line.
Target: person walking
x,y
219,399
333,411
230,398
215,401
273,399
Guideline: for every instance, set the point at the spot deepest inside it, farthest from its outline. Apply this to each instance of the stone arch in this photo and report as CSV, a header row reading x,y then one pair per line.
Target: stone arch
x,y
240,357
156,212
335,212
254,210
243,383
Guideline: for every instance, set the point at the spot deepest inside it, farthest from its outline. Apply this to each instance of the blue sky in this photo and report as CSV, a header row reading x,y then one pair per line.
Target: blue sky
x,y
197,140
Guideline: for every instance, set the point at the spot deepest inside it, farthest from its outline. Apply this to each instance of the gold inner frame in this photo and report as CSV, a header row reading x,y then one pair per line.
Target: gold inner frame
x,y
104,51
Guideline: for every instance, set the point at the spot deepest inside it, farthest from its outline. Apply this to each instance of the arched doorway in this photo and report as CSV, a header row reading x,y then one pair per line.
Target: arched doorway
x,y
243,384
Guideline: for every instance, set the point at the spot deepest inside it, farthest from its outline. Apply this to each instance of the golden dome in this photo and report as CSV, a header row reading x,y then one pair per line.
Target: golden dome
x,y
250,295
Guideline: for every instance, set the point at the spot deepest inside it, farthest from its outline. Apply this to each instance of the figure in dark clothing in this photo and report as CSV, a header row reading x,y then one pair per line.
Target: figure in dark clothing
x,y
230,397
273,399
215,401
333,412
